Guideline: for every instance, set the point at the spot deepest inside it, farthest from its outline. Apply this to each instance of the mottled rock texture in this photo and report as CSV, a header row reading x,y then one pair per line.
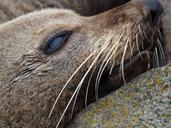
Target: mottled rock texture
x,y
144,102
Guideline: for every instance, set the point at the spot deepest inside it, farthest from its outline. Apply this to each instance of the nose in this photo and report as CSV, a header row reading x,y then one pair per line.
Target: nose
x,y
156,10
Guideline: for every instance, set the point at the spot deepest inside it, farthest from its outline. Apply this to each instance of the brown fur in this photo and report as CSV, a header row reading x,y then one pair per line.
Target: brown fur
x,y
30,80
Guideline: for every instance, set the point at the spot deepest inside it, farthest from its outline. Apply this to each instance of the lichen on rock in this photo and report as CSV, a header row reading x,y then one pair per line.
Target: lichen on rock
x,y
144,102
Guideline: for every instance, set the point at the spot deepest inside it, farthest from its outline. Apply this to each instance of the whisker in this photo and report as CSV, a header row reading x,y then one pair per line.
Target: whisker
x,y
137,44
72,77
131,45
154,60
145,36
122,61
140,30
102,65
106,57
81,82
113,64
148,56
105,46
87,89
132,50
90,80
157,57
86,96
161,51
97,88
161,36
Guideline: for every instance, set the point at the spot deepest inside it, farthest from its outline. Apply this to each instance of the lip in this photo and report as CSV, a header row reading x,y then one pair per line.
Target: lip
x,y
132,68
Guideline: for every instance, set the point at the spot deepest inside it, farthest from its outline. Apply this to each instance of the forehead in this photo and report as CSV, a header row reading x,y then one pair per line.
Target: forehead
x,y
29,30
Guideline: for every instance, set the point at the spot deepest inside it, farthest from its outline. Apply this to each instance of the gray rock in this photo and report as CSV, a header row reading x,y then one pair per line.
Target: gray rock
x,y
144,102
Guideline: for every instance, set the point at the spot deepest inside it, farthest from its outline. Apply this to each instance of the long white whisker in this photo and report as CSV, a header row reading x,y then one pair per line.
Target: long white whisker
x,y
78,92
161,50
97,88
86,96
154,59
132,50
161,36
113,64
157,58
137,44
143,34
102,65
80,84
105,46
72,77
139,28
122,61
148,56
107,61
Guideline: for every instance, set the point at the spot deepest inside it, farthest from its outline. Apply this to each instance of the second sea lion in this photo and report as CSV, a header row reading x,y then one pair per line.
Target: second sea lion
x,y
10,9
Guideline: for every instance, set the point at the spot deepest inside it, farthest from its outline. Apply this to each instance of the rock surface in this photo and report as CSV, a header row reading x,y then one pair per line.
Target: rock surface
x,y
144,102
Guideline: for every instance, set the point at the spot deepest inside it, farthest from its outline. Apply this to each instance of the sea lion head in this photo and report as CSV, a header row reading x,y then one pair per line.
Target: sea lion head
x,y
57,53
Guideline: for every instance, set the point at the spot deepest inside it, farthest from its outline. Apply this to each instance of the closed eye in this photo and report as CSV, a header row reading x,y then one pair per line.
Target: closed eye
x,y
56,42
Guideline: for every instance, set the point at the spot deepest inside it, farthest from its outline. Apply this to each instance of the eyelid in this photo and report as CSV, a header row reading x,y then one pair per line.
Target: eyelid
x,y
66,35
60,34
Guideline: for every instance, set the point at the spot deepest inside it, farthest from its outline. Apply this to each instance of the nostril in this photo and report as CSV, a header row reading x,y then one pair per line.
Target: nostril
x,y
156,10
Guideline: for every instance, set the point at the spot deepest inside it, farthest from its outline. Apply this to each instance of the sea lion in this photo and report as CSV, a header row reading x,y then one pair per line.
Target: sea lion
x,y
54,61
10,9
